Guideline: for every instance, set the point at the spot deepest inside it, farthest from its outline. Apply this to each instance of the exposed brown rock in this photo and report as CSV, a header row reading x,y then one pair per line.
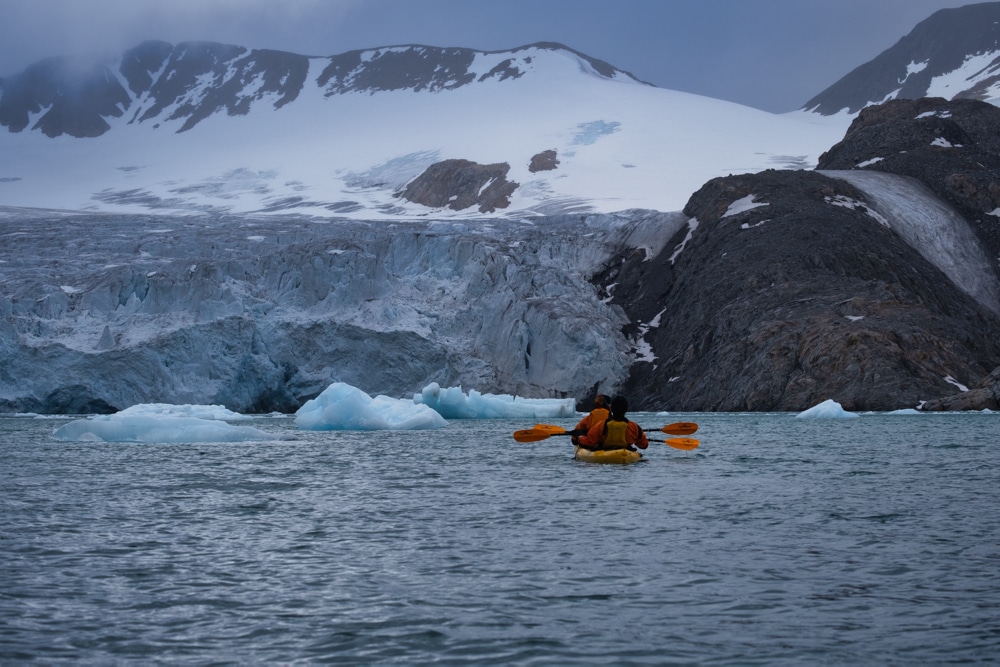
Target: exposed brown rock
x,y
459,184
544,161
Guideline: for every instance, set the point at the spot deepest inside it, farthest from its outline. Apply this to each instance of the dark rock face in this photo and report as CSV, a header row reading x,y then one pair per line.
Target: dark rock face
x,y
459,184
781,306
984,397
938,45
544,161
78,98
417,68
232,69
952,147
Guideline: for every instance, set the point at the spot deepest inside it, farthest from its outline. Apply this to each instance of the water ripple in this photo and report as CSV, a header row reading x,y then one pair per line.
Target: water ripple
x,y
780,541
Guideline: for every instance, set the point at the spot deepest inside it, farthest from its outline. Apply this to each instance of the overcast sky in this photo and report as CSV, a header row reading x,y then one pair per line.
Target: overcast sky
x,y
771,54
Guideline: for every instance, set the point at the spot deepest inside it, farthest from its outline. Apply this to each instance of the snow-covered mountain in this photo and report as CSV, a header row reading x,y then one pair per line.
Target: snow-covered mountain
x,y
214,128
205,224
955,53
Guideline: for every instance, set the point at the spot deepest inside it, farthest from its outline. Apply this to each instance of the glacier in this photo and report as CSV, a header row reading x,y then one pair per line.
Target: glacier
x,y
261,314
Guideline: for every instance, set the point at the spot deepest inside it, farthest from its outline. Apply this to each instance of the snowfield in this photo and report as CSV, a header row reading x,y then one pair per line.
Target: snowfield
x,y
621,144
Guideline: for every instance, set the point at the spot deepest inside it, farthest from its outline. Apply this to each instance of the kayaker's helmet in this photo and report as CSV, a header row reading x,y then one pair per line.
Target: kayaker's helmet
x,y
619,405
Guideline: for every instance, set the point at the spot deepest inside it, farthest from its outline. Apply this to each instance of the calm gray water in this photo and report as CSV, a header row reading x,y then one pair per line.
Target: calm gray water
x,y
779,541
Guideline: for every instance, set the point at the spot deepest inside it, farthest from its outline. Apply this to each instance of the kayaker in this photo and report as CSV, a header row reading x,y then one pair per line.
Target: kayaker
x,y
595,416
616,432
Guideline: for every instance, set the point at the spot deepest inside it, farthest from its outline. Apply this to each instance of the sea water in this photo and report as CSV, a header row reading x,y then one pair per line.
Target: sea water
x,y
778,541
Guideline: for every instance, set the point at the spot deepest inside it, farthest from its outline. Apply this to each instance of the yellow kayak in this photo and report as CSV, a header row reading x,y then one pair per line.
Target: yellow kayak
x,y
619,456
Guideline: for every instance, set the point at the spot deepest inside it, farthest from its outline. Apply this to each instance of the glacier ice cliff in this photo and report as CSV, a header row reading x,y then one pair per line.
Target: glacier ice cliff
x,y
100,312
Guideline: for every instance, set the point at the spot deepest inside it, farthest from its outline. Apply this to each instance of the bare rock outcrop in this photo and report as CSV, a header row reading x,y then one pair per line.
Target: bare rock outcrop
x,y
459,184
544,161
985,396
786,289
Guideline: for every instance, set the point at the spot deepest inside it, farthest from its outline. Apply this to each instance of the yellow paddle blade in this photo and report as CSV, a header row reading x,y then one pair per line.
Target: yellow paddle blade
x,y
530,435
687,444
551,429
680,428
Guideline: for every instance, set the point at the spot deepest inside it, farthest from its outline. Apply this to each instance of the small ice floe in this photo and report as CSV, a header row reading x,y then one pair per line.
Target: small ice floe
x,y
162,423
453,403
828,409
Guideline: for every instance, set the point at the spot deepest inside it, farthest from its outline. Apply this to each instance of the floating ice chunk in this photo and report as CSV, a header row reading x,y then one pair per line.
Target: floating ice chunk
x,y
453,403
342,407
151,427
828,409
905,411
196,411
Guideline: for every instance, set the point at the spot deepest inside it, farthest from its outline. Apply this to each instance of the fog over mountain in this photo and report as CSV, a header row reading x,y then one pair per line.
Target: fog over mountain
x,y
203,223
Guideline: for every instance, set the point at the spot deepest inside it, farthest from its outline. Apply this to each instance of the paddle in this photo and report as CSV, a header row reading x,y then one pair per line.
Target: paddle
x,y
687,444
534,435
677,428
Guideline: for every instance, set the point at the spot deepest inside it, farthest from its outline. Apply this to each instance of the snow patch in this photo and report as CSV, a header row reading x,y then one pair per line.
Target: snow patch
x,y
692,225
934,114
976,68
747,203
643,350
868,163
961,387
855,205
941,142
913,68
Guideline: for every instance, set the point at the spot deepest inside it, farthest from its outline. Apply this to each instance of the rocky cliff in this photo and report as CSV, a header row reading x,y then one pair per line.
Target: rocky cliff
x,y
953,53
787,288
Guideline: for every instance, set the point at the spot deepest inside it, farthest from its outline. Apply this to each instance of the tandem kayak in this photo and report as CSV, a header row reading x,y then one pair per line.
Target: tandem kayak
x,y
619,456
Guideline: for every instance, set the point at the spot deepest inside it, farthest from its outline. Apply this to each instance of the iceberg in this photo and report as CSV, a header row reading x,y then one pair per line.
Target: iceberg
x,y
453,403
162,423
828,409
214,412
342,407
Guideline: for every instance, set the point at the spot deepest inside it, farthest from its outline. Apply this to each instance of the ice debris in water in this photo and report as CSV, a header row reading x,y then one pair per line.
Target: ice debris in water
x,y
828,409
453,403
342,407
159,422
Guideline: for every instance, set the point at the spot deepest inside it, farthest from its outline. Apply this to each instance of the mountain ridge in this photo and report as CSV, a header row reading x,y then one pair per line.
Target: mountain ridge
x,y
954,53
168,76
212,128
